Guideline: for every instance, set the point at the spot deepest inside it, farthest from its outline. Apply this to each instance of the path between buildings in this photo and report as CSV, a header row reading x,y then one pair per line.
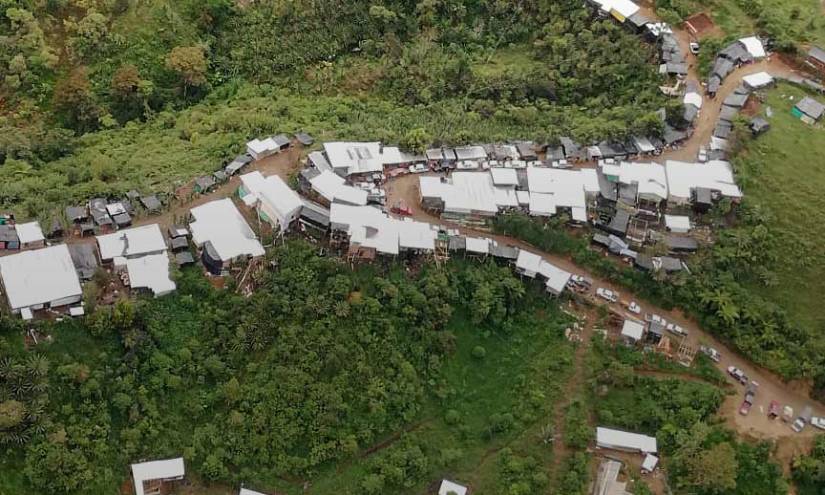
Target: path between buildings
x,y
711,107
756,424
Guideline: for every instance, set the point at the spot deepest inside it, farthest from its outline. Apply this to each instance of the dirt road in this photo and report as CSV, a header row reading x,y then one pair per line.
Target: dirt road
x,y
771,387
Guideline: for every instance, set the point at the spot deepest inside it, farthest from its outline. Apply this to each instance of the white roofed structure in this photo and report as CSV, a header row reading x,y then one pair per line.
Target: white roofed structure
x,y
608,438
247,491
633,330
145,473
758,80
414,235
754,46
129,243
556,278
150,272
504,176
41,277
468,193
683,178
29,233
367,227
693,98
333,188
477,245
569,188
450,488
678,223
528,264
222,225
650,178
260,148
542,204
360,157
620,9
275,201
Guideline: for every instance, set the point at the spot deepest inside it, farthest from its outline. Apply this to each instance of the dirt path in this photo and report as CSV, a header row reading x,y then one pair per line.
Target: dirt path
x,y
756,424
572,391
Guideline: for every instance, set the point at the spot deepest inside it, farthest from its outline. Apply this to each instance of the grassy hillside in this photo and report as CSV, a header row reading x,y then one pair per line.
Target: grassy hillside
x,y
784,174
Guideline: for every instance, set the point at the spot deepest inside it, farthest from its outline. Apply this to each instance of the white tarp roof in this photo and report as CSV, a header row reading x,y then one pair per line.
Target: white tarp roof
x,y
127,243
622,440
650,178
470,153
157,470
468,192
415,235
693,98
150,272
633,329
333,188
275,196
29,232
753,46
677,223
758,80
504,176
542,204
448,487
221,224
40,276
260,146
367,226
528,263
479,245
716,175
568,187
247,491
523,198
556,277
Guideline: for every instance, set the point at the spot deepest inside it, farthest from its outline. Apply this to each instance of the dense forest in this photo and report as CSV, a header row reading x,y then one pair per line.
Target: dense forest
x,y
103,96
319,365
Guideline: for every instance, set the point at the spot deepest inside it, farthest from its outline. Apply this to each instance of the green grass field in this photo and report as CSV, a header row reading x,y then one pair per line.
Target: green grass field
x,y
784,172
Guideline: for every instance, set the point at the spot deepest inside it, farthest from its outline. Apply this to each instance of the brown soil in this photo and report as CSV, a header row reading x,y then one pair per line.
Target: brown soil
x,y
701,26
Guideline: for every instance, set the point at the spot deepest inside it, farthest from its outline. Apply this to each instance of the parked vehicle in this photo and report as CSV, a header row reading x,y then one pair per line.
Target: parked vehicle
x,y
803,419
738,374
607,294
711,353
634,308
583,282
787,414
676,329
401,208
694,47
818,422
418,168
703,154
745,408
773,410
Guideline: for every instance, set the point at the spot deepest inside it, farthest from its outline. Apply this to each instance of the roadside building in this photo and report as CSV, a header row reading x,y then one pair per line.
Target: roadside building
x,y
448,487
151,273
157,477
237,164
30,235
556,279
679,224
356,158
272,198
759,125
477,246
816,59
758,80
370,231
808,110
204,184
261,148
632,331
334,189
608,438
223,235
304,138
314,218
247,491
528,264
754,47
684,178
648,179
607,479
571,190
681,244
131,243
151,203
39,278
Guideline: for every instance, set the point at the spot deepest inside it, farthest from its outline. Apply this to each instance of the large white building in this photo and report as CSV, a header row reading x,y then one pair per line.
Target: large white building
x,y
684,178
608,438
149,477
348,158
649,178
334,189
467,193
221,225
40,278
276,203
142,251
569,189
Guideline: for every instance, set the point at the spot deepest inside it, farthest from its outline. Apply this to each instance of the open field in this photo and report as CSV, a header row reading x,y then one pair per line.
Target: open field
x,y
784,173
